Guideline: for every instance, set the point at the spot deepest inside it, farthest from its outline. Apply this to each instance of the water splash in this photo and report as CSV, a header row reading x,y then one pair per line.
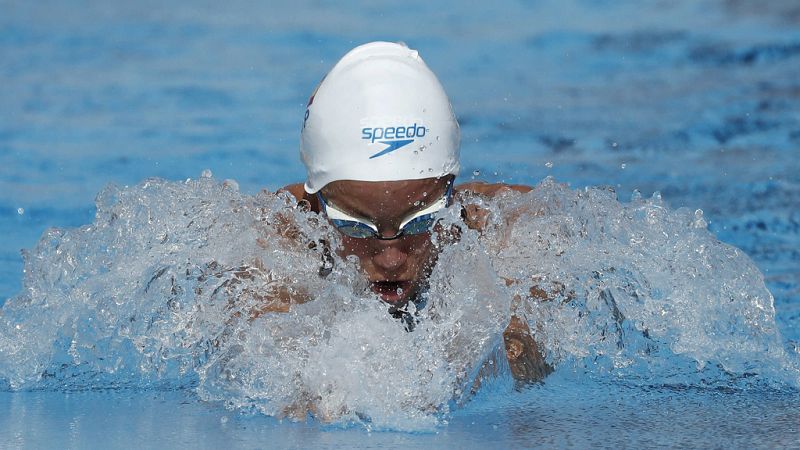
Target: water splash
x,y
195,285
635,288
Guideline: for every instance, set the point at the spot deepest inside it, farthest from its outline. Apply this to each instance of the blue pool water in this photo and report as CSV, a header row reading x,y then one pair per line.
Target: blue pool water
x,y
103,343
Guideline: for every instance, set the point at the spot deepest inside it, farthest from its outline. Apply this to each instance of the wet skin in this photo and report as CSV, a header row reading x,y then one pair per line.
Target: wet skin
x,y
398,268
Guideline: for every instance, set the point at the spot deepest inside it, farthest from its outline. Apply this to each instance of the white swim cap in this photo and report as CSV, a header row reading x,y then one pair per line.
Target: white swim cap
x,y
379,115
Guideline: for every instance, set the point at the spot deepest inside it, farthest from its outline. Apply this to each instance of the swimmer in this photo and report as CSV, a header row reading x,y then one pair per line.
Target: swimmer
x,y
380,143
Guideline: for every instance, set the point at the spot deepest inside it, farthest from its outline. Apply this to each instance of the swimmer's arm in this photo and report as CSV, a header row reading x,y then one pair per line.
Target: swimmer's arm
x,y
524,354
270,296
476,217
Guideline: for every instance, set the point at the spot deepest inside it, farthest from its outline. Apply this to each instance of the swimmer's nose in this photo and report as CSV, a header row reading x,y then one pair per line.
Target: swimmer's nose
x,y
390,257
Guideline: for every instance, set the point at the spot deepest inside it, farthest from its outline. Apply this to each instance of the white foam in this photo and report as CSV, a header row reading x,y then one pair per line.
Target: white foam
x,y
162,288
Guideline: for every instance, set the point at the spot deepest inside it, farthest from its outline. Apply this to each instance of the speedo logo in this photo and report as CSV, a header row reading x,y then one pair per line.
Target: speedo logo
x,y
394,137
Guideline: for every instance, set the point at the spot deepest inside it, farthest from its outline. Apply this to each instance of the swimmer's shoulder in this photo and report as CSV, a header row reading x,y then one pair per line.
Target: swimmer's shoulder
x,y
490,189
298,192
295,189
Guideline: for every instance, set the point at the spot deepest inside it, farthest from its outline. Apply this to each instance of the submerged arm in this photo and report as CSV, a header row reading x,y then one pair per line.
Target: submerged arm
x,y
524,354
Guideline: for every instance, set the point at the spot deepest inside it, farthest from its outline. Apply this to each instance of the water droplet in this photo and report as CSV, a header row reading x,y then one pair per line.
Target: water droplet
x,y
424,194
416,203
614,144
231,184
207,173
622,166
223,419
20,211
548,164
476,173
699,220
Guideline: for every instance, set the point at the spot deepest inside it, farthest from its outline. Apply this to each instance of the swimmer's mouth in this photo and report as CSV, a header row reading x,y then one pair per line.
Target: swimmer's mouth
x,y
391,291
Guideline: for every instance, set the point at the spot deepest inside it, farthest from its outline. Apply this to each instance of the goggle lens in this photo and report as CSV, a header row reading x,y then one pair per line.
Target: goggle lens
x,y
354,229
358,228
419,225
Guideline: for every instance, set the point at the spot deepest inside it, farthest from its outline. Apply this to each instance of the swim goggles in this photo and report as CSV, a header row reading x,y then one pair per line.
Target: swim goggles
x,y
417,223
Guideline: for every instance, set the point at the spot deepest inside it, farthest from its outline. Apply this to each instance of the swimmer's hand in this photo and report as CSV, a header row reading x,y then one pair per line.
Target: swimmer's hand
x,y
525,356
257,287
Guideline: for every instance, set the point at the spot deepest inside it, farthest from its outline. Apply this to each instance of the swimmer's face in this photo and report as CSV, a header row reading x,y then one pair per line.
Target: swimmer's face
x,y
396,268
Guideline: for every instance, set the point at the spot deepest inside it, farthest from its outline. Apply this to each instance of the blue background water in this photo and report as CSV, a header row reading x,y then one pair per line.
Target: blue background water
x,y
697,99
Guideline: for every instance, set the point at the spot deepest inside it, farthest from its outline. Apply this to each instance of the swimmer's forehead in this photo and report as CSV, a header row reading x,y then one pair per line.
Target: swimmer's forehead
x,y
389,199
401,188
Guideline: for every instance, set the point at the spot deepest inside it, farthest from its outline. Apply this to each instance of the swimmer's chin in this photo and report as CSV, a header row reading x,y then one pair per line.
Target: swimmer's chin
x,y
395,293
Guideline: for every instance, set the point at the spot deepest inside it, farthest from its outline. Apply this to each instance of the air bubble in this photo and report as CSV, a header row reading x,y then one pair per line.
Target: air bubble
x,y
206,173
699,219
548,164
20,211
231,184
